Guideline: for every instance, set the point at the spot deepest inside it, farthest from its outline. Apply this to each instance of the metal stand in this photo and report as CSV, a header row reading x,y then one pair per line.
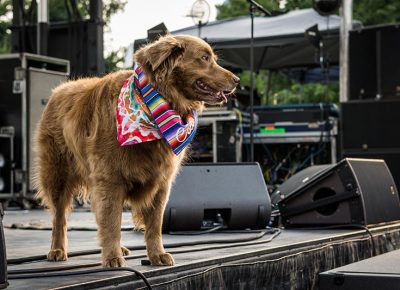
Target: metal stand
x,y
3,258
253,7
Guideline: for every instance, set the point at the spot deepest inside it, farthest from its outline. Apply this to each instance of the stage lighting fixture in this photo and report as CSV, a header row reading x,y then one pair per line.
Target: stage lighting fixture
x,y
326,7
2,160
314,36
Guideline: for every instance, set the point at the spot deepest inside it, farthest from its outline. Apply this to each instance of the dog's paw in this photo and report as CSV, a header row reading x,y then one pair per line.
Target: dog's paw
x,y
57,255
114,262
164,259
139,228
125,251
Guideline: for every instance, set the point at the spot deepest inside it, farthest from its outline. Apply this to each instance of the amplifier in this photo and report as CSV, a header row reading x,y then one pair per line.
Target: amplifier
x,y
303,113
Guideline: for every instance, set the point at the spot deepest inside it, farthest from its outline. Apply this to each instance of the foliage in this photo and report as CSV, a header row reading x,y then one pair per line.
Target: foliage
x,y
5,7
286,91
58,11
372,12
114,60
296,92
234,8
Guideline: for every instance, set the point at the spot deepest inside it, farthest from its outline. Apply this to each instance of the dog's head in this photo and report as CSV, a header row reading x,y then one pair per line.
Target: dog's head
x,y
189,65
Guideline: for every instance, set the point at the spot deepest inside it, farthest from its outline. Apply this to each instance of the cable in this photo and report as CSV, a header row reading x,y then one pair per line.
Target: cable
x,y
254,263
357,226
44,272
83,272
195,233
235,242
243,242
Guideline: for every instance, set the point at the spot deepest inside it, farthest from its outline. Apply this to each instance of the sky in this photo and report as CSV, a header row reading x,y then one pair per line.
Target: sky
x,y
139,16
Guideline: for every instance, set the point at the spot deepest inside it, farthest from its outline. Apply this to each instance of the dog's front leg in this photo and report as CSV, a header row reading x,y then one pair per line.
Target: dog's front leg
x,y
107,203
153,219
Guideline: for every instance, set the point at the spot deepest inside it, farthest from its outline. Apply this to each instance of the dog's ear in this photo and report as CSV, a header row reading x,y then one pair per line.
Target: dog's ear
x,y
166,50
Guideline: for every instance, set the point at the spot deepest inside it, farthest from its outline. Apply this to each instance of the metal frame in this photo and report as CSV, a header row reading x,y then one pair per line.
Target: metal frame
x,y
211,117
9,135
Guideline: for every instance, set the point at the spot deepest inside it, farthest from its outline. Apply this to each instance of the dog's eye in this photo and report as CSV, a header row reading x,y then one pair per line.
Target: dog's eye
x,y
205,57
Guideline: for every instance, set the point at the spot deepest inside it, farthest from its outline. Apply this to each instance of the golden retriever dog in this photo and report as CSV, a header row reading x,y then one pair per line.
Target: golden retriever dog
x,y
78,152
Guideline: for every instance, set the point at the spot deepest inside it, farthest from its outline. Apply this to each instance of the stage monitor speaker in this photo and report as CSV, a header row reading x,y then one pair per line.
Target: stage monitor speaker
x,y
353,191
204,194
3,259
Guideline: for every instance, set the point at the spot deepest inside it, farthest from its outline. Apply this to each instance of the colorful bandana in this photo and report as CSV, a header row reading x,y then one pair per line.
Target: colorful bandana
x,y
143,115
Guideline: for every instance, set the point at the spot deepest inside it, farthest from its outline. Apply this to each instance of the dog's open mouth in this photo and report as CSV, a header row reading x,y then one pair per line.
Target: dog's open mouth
x,y
219,96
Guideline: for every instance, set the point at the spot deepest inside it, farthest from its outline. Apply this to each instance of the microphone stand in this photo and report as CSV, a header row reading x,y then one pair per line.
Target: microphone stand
x,y
254,6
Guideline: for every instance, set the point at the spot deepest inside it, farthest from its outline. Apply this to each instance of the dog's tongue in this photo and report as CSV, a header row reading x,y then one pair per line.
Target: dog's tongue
x,y
221,93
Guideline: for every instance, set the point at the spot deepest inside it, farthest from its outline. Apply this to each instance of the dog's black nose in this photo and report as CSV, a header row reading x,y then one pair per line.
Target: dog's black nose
x,y
236,79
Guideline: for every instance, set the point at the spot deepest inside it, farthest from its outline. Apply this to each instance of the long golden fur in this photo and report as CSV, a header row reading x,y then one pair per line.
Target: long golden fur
x,y
77,149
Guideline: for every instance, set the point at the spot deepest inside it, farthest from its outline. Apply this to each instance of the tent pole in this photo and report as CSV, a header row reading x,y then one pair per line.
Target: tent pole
x,y
345,26
252,10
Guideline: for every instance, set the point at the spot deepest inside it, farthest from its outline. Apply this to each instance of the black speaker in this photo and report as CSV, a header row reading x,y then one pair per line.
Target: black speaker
x,y
353,191
374,62
368,131
3,259
207,193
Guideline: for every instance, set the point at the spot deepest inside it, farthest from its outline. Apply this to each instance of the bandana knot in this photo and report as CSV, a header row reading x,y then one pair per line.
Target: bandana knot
x,y
143,115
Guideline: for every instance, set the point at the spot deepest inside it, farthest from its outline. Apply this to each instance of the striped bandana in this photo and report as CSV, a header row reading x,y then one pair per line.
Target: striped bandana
x,y
143,115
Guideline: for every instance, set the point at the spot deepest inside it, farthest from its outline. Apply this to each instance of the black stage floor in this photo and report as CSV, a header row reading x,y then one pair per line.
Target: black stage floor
x,y
292,260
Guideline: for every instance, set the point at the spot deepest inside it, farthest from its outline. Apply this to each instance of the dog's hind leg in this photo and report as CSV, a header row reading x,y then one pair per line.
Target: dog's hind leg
x,y
107,200
137,219
59,242
56,193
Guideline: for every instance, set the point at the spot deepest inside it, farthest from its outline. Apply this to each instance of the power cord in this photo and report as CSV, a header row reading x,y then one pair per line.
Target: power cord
x,y
39,273
219,224
234,243
52,271
195,233
356,226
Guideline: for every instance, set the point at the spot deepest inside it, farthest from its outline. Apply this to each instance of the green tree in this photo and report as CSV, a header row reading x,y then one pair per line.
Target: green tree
x,y
5,8
234,8
372,12
58,12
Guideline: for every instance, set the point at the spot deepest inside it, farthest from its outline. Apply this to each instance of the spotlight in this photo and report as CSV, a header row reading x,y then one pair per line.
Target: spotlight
x,y
326,7
2,161
314,36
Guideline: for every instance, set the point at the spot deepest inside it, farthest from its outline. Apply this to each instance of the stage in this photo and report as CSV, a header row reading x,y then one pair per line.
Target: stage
x,y
289,259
